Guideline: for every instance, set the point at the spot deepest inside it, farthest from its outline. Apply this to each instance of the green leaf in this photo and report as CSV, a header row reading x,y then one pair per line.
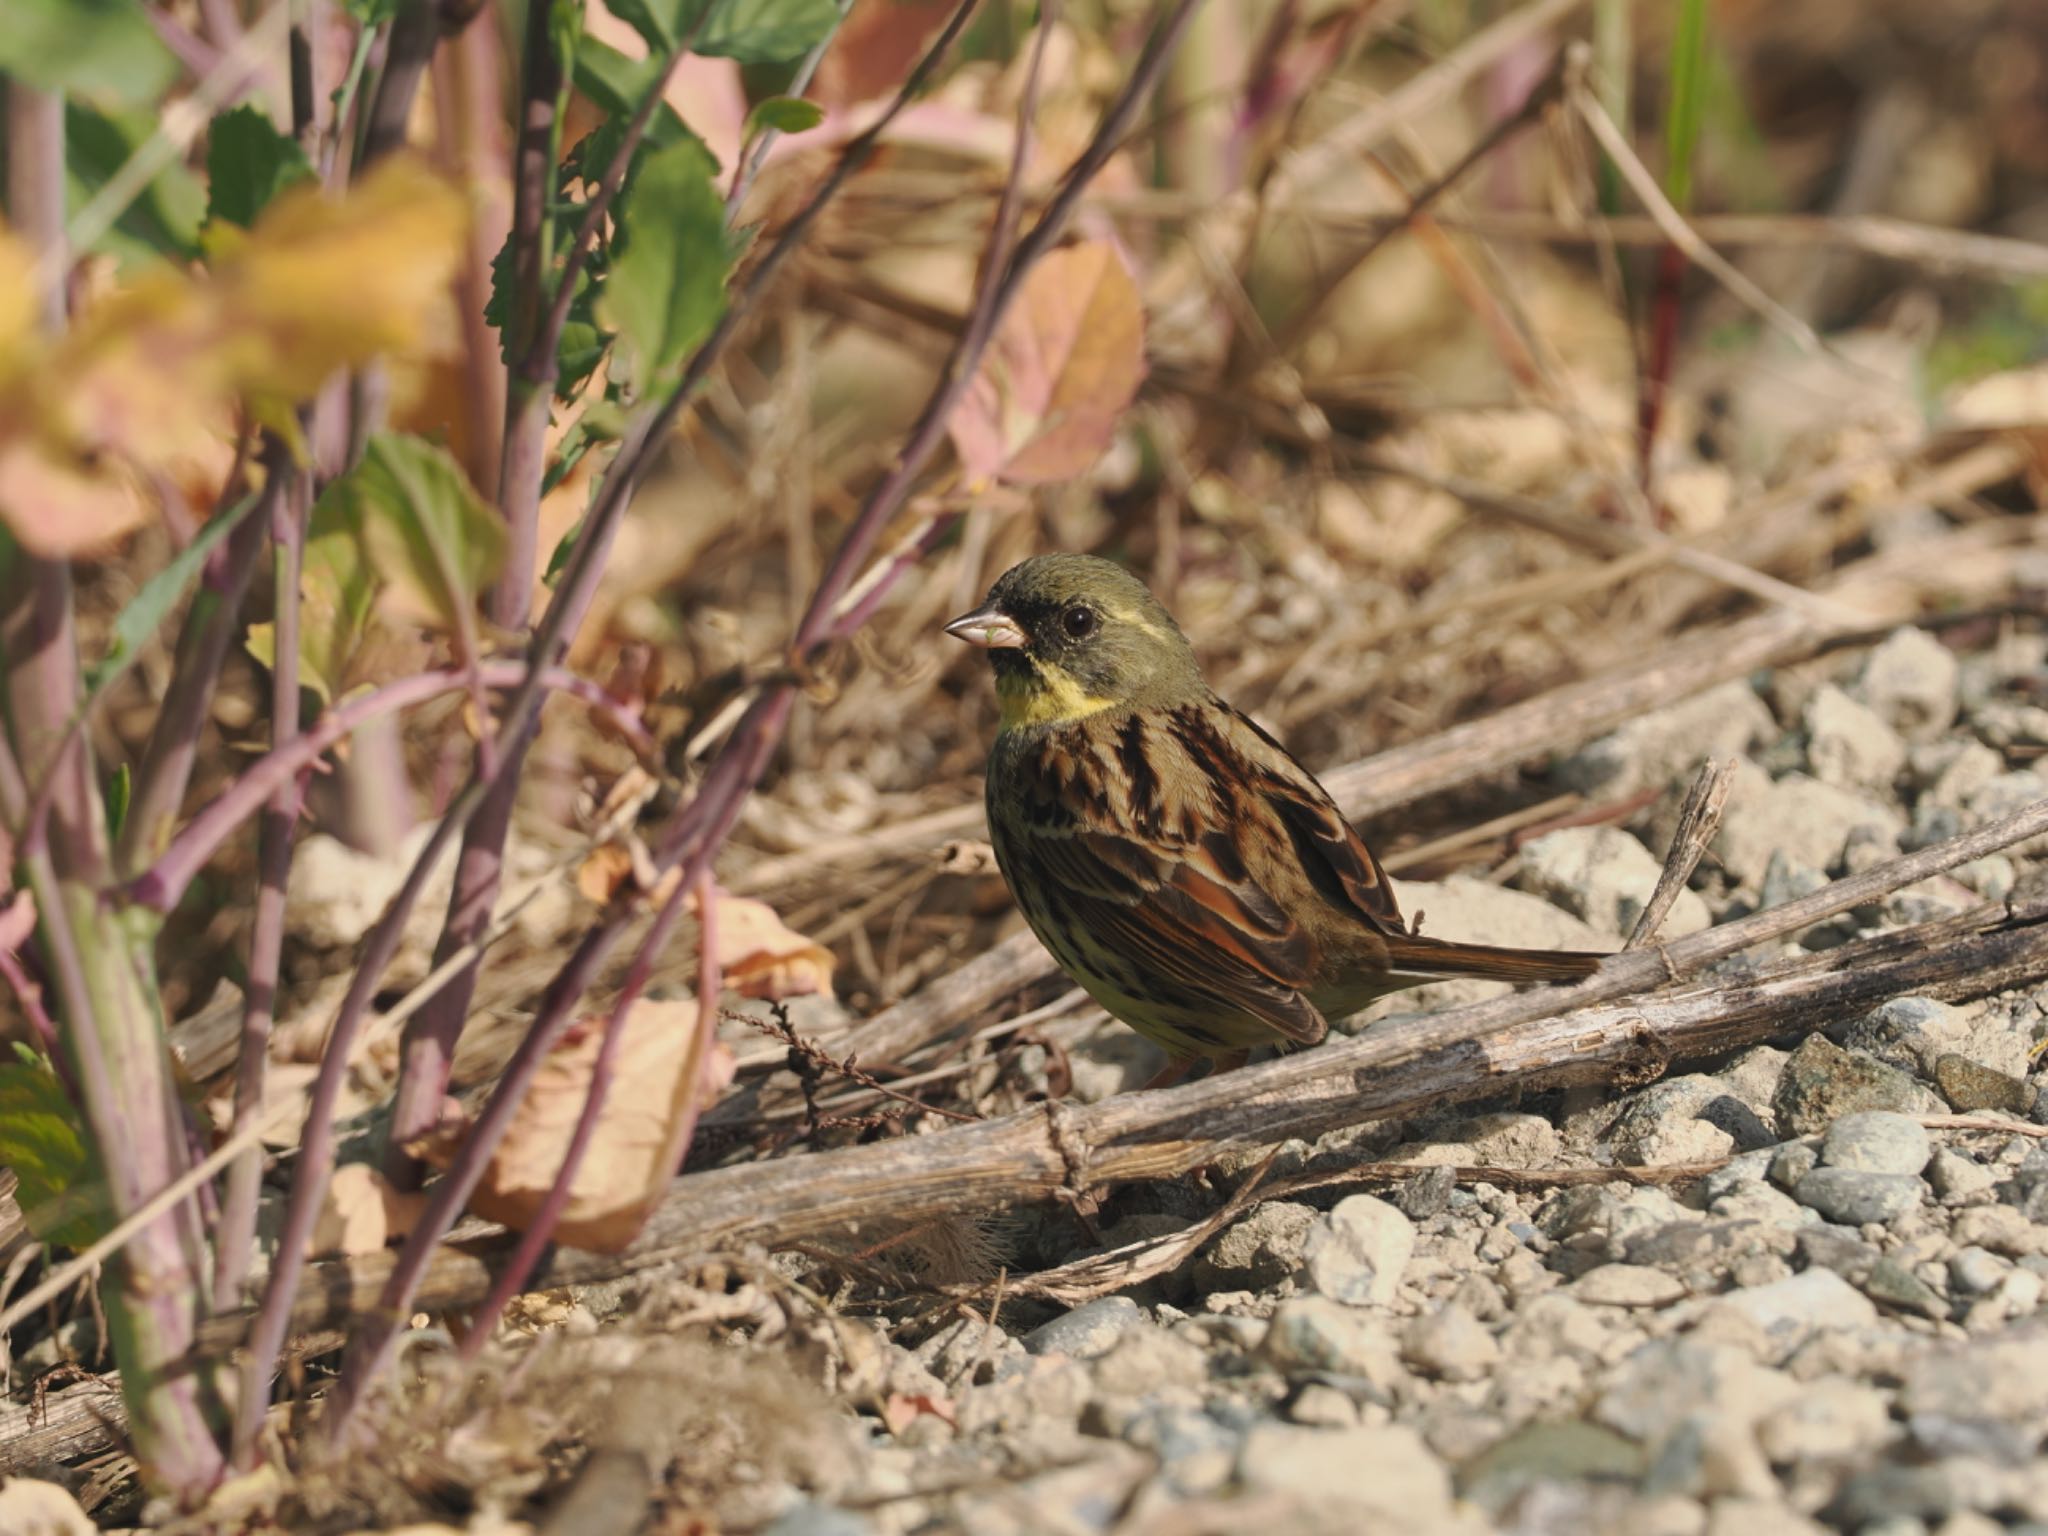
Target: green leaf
x,y
162,222
666,288
149,607
371,13
611,80
765,31
248,162
1682,115
784,114
42,1139
338,590
430,538
662,24
120,790
103,50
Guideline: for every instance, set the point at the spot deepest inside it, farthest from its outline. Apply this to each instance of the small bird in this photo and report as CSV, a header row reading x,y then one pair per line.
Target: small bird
x,y
1194,878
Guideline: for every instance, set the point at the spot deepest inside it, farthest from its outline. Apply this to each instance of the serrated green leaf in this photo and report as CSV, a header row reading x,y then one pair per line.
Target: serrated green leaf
x,y
248,162
102,50
666,287
765,31
430,538
785,114
62,1197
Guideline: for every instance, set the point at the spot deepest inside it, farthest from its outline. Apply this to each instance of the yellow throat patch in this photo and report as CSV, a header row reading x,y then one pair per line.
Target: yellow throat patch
x,y
1047,696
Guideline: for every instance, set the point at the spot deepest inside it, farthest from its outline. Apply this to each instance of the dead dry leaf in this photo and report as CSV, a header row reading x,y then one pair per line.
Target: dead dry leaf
x,y
1063,366
30,1508
761,956
361,1213
628,1163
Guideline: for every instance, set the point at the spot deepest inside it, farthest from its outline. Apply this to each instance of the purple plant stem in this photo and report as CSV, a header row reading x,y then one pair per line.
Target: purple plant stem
x,y
235,1232
109,1017
408,45
697,831
429,1041
211,623
427,1048
161,885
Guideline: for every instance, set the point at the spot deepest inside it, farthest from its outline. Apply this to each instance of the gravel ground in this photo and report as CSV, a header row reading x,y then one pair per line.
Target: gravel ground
x,y
1841,1328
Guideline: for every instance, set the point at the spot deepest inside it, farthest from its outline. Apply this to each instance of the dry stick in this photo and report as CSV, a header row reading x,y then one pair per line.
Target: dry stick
x,y
1947,251
1678,231
1336,154
1547,1037
1699,818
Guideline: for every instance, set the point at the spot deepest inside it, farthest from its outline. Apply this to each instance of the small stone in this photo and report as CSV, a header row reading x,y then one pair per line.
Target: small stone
x,y
1548,1452
1088,1330
1823,1082
1975,1272
1605,876
1628,1285
1753,1076
1753,1517
1792,1161
1876,1141
1904,1032
1450,1344
1850,744
1968,1086
1197,1455
1426,1194
1358,1253
1999,1228
1762,1203
1888,1490
808,1519
1314,1333
1891,1284
1144,1359
1910,680
1656,749
1508,1140
1384,1473
1825,1247
1786,880
1991,877
1739,1172
1651,1392
1322,1407
1683,1120
2007,795
1790,1311
2001,1378
1831,1420
1806,820
1957,1178
1257,1251
1851,1197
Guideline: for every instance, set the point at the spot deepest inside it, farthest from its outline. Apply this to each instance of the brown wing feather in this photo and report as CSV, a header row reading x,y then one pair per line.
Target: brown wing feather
x,y
1114,820
1317,827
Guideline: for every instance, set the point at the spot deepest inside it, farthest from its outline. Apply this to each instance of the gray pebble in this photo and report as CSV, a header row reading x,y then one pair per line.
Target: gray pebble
x,y
1891,1284
809,1519
1969,1085
1976,1271
1876,1141
1088,1330
1792,1161
1852,1197
1823,1082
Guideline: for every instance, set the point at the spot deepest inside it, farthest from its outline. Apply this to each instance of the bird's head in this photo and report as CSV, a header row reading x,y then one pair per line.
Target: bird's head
x,y
1070,635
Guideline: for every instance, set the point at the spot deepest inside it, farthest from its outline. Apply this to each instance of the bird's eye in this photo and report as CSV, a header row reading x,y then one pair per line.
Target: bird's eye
x,y
1078,621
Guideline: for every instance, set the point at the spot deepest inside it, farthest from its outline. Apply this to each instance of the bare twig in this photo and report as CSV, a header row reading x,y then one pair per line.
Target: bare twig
x,y
1699,818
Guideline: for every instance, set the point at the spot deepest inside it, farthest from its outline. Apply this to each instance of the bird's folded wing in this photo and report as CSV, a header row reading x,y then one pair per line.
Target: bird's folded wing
x,y
1321,835
1192,917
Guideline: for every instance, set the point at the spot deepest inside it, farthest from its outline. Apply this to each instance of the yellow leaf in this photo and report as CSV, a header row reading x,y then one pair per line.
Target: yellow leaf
x,y
759,956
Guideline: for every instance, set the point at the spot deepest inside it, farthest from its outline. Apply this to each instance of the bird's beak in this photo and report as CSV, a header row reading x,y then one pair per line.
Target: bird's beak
x,y
989,628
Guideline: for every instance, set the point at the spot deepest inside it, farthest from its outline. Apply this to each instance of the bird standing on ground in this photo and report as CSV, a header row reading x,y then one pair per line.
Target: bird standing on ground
x,y
1193,877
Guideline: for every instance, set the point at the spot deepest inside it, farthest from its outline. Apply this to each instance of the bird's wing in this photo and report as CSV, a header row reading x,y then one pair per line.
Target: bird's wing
x,y
1155,885
1330,849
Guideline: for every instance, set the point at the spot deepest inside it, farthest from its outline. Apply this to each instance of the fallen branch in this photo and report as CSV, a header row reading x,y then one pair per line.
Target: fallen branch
x,y
1616,1025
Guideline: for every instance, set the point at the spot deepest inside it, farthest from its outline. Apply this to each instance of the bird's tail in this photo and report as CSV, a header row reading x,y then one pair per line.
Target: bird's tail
x,y
1434,959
